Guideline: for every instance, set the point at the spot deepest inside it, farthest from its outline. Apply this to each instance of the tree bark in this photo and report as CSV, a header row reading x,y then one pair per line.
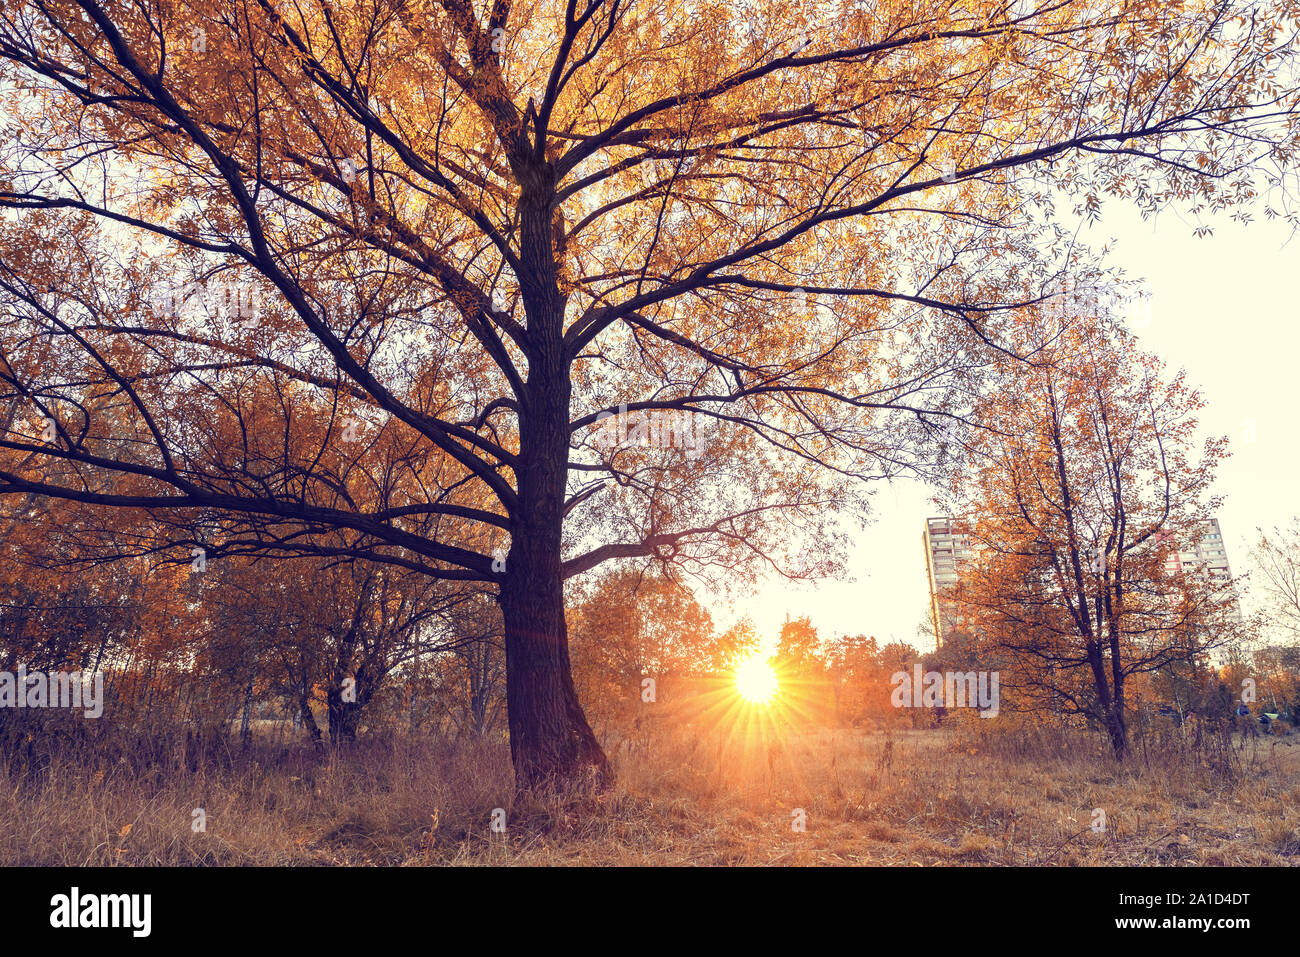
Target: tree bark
x,y
304,713
245,725
343,719
1116,726
345,716
551,744
1118,731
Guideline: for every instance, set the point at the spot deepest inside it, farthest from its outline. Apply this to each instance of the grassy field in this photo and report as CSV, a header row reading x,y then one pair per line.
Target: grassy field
x,y
895,798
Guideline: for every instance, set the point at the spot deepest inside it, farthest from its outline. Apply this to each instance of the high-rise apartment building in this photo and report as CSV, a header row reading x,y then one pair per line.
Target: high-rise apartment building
x,y
947,544
1208,554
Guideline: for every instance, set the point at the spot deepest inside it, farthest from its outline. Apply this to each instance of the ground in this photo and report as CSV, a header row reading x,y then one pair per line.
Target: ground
x,y
923,797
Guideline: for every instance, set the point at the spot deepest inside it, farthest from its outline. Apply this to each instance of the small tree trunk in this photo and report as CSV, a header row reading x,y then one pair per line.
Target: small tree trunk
x,y
414,707
1118,732
245,725
1116,724
308,719
1110,700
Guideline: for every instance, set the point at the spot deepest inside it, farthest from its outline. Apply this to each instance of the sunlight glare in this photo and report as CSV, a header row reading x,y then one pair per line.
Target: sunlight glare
x,y
755,680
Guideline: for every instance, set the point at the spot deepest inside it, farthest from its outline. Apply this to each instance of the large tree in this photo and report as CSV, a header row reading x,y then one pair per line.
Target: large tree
x,y
449,236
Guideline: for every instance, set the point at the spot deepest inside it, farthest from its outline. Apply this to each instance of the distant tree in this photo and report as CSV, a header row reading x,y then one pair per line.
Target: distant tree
x,y
632,625
799,651
1277,677
854,670
899,656
335,631
467,669
1276,557
1081,493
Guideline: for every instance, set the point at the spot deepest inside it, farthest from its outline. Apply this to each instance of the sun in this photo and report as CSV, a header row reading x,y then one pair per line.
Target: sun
x,y
755,680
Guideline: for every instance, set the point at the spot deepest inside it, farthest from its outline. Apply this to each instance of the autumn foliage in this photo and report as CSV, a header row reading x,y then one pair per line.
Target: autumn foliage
x,y
357,281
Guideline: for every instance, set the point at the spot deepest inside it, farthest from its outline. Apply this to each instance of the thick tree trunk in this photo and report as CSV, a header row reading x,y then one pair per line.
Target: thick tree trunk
x,y
551,743
345,716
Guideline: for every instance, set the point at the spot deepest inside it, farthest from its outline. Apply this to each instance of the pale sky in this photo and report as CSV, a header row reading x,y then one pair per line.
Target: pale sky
x,y
1224,308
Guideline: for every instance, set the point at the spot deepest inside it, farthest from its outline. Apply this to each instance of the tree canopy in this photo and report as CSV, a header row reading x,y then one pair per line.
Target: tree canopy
x,y
362,279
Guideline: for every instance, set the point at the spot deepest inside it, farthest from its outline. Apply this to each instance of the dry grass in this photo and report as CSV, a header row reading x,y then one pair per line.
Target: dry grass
x,y
683,797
